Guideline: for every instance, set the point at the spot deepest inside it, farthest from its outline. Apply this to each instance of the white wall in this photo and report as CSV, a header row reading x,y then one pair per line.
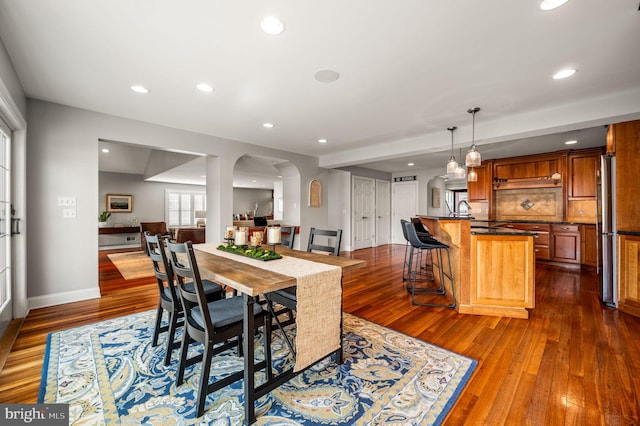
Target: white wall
x,y
62,158
339,192
278,194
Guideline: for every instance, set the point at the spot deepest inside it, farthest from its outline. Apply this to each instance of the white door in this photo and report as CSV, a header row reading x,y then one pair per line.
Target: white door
x,y
6,311
383,212
363,207
404,203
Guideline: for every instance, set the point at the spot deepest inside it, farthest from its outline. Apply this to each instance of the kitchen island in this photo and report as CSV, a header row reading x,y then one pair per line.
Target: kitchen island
x,y
493,267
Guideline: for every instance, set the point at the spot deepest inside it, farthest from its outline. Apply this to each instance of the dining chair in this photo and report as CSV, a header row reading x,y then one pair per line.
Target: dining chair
x,y
334,249
217,325
169,298
288,297
288,234
153,228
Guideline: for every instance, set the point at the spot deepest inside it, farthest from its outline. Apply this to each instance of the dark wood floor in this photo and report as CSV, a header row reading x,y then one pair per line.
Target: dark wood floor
x,y
574,362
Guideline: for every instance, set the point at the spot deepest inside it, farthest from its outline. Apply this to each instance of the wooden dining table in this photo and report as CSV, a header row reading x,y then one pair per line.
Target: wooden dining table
x,y
318,279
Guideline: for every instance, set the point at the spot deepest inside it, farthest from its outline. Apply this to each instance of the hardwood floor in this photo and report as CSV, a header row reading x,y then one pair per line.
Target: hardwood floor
x,y
573,362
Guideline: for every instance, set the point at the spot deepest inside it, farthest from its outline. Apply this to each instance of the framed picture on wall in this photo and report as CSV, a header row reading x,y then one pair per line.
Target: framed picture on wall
x,y
315,193
119,203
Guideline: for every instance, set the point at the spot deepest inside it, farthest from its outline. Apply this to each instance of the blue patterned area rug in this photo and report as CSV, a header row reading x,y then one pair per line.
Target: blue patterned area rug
x,y
109,373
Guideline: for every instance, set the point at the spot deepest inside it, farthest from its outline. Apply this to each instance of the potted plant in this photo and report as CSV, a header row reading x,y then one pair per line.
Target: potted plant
x,y
102,219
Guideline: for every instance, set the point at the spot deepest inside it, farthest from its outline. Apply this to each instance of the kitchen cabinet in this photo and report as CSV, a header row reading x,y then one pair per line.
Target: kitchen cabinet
x,y
589,242
629,273
540,240
627,141
481,190
565,243
581,185
582,174
531,171
502,275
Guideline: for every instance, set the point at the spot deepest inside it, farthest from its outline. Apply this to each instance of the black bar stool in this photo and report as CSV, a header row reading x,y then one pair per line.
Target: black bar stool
x,y
414,266
426,270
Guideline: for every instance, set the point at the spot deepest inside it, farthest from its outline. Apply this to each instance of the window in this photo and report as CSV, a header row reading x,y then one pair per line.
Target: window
x,y
181,206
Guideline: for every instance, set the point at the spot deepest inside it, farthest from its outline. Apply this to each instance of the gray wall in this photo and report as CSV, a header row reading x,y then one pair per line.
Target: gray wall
x,y
62,155
245,199
9,79
148,197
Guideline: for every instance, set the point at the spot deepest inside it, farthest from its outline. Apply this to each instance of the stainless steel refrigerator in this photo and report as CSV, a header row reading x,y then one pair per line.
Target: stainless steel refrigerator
x,y
606,229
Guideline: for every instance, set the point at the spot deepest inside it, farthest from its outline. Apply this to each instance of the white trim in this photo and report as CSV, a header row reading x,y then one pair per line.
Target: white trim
x,y
9,110
61,298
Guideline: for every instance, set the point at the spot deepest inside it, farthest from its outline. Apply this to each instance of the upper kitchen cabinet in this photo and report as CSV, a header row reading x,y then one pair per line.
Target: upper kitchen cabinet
x,y
532,171
481,190
582,167
582,173
626,139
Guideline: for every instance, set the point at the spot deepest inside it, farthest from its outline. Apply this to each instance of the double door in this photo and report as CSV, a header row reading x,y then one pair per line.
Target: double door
x,y
6,311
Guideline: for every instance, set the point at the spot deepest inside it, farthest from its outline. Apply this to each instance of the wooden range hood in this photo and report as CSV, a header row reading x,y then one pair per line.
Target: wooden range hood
x,y
532,171
551,181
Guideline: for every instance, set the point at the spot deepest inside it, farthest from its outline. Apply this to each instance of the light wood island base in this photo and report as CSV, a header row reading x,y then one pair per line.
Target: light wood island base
x,y
494,270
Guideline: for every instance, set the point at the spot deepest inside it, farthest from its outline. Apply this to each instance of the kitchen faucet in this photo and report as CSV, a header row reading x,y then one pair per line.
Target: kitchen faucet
x,y
467,208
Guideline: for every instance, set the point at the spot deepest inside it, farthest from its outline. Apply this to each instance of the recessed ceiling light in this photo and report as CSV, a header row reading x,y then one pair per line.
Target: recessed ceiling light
x,y
272,25
570,142
568,72
551,4
253,180
139,89
268,125
204,87
327,76
410,164
322,141
105,150
279,176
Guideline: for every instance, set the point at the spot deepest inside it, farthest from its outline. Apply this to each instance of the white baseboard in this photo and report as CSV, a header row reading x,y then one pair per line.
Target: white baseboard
x,y
60,298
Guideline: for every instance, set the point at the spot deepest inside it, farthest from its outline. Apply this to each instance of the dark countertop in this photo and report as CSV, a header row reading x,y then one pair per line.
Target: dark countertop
x,y
634,233
473,222
447,217
500,231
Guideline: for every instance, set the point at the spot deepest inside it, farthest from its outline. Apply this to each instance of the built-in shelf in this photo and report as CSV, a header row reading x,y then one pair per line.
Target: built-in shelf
x,y
534,182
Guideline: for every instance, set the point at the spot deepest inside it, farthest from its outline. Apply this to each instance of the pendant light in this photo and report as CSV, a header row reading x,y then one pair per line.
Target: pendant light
x,y
473,157
452,165
460,170
472,176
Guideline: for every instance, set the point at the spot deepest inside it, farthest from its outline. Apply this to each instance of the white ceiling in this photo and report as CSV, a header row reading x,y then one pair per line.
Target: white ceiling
x,y
407,70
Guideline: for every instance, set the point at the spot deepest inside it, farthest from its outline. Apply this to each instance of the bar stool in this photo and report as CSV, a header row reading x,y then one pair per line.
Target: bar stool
x,y
426,269
414,264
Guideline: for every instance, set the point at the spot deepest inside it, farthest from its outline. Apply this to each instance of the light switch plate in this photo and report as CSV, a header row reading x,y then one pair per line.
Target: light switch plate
x,y
66,201
69,213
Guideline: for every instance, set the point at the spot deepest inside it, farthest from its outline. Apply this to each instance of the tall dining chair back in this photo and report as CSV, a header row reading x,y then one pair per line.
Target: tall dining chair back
x,y
334,249
288,234
169,299
287,297
217,324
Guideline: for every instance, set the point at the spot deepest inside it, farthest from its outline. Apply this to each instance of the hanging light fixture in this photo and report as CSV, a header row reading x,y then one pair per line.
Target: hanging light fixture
x,y
452,165
472,176
460,170
473,157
